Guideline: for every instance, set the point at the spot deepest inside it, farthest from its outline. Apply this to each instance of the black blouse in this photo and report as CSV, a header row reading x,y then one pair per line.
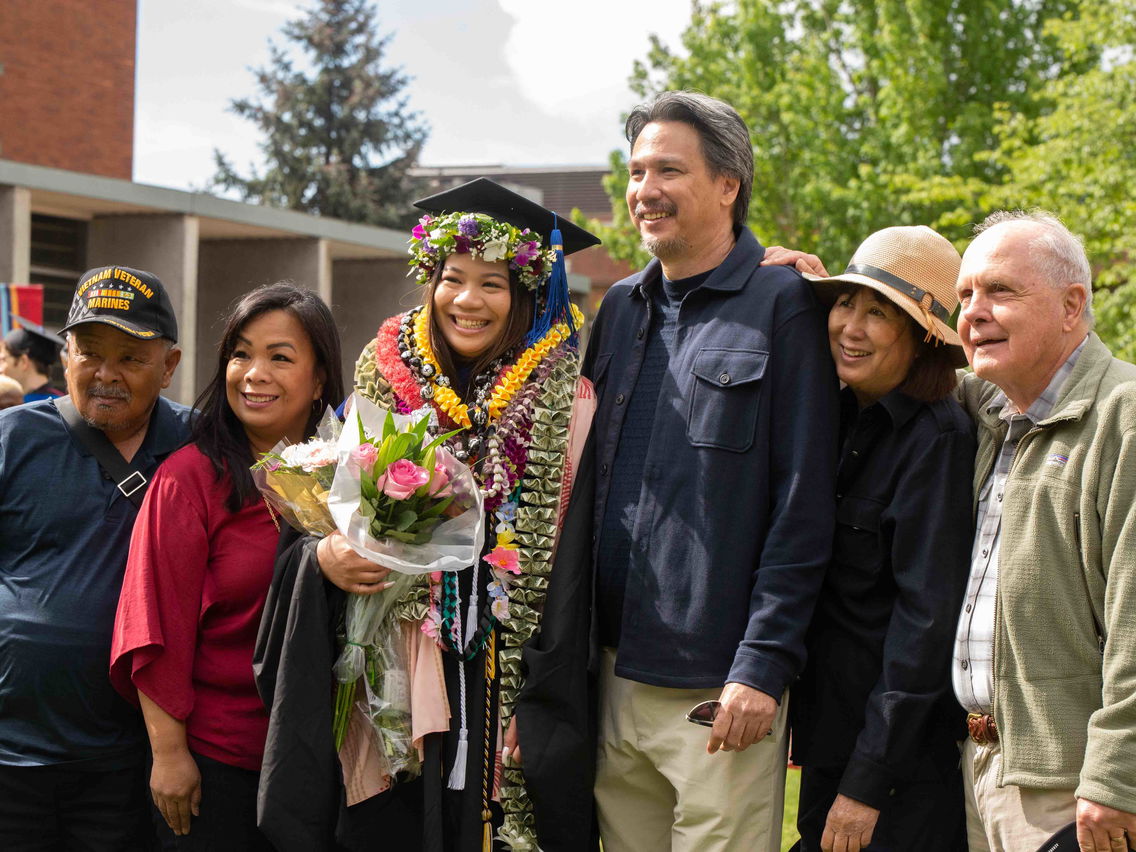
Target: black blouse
x,y
875,696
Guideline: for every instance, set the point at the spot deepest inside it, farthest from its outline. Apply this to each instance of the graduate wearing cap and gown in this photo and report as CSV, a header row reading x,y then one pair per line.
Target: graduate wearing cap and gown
x,y
493,352
28,356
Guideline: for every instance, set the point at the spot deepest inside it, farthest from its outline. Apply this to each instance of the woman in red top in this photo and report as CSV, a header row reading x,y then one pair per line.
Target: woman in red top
x,y
200,565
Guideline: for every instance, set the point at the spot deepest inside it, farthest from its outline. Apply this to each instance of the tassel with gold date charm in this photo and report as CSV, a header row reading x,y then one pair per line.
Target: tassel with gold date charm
x,y
489,765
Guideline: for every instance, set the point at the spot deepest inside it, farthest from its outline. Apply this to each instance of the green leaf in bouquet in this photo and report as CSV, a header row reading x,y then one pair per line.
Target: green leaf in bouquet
x,y
367,487
405,519
419,428
386,455
378,529
441,438
428,464
437,509
410,443
409,538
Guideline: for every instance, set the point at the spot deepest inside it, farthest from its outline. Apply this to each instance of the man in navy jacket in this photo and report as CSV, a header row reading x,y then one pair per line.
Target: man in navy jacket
x,y
715,446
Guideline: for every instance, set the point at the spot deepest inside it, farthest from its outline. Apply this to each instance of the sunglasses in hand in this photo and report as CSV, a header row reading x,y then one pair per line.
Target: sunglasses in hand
x,y
704,713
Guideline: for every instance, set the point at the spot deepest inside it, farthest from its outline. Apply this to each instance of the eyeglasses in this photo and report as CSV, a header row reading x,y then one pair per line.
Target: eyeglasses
x,y
704,713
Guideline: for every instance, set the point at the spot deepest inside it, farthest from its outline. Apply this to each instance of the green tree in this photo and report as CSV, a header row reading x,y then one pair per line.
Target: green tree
x,y
864,113
1078,157
338,138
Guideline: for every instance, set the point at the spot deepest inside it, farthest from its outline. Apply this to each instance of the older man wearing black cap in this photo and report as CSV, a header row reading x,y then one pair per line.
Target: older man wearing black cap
x,y
72,473
26,354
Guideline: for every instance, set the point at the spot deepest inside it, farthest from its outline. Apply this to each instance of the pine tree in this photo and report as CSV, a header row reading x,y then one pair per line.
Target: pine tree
x,y
338,138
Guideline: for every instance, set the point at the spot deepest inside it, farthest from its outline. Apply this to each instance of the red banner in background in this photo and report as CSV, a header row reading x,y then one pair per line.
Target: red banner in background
x,y
20,305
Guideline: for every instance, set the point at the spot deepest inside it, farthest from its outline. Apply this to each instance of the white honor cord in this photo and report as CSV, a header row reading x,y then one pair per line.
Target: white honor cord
x,y
457,772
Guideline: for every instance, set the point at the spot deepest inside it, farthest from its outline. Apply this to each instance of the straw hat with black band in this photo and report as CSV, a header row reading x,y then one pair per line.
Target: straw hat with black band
x,y
915,268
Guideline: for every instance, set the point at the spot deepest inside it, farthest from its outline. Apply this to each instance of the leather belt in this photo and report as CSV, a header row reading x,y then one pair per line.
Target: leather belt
x,y
982,728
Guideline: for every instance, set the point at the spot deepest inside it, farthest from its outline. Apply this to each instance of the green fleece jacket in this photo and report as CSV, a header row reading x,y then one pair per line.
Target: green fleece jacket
x,y
1065,637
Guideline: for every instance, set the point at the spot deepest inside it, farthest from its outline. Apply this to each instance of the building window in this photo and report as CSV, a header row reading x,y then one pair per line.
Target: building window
x,y
59,250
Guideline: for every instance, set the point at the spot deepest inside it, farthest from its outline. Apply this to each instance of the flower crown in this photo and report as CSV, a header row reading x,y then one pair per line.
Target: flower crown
x,y
436,238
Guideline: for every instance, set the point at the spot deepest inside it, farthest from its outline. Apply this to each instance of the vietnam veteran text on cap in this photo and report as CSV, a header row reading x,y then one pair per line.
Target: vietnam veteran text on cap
x,y
133,301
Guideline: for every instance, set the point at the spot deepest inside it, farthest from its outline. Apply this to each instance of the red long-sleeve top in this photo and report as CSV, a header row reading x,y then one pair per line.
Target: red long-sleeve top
x,y
195,585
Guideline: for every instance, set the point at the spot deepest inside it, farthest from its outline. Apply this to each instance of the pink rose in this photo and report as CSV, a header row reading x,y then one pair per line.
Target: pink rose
x,y
440,484
402,479
364,456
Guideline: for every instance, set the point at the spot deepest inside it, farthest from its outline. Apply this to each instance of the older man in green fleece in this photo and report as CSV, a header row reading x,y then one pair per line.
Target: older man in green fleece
x,y
1045,658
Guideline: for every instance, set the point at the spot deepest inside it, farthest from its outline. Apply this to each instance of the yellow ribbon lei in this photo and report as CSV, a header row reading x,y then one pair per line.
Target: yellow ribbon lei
x,y
507,386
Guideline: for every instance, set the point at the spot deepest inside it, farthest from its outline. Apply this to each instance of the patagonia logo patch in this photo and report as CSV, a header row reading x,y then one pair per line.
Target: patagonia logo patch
x,y
1056,460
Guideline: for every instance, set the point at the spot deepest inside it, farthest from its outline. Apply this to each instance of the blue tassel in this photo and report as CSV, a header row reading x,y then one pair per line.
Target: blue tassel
x,y
557,305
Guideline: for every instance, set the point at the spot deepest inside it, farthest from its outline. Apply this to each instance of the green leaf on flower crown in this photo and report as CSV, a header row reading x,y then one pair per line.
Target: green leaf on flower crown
x,y
404,518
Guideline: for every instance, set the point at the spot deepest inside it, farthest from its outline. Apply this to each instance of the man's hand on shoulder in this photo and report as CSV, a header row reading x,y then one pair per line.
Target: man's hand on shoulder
x,y
745,717
1103,829
803,262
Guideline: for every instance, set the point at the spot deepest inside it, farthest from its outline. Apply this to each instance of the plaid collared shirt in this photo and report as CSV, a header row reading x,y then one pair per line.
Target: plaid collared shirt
x,y
972,672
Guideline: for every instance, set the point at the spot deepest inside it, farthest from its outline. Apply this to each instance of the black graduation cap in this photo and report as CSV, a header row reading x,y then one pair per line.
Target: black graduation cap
x,y
489,197
1064,840
37,342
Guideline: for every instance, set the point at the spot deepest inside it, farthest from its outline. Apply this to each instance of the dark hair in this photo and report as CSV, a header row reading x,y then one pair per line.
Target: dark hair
x,y
932,375
24,344
216,430
725,138
521,305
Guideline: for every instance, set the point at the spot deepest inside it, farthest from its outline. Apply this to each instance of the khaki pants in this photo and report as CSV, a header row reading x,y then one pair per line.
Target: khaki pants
x,y
656,787
1008,819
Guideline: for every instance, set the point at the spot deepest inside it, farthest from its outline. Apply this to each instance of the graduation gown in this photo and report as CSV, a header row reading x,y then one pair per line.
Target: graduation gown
x,y
301,804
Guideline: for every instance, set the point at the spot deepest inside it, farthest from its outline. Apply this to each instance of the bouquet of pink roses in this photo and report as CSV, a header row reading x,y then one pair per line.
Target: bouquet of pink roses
x,y
403,501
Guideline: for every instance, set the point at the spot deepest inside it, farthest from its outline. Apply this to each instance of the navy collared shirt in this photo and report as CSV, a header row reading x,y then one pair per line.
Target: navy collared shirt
x,y
735,514
64,535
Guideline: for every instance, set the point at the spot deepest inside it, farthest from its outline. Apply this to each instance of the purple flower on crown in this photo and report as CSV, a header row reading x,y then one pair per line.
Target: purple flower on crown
x,y
461,244
468,226
525,253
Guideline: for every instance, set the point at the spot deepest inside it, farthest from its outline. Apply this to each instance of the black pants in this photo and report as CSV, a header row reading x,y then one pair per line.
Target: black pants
x,y
61,809
926,814
227,822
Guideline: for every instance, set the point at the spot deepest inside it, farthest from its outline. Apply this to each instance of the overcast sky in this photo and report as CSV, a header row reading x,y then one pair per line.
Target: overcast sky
x,y
514,82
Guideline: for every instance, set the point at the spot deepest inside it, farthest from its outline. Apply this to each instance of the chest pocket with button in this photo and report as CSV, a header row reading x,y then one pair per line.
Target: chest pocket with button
x,y
856,547
725,398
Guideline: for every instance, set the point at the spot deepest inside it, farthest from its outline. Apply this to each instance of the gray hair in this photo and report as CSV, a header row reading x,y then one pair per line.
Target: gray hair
x,y
725,138
1056,252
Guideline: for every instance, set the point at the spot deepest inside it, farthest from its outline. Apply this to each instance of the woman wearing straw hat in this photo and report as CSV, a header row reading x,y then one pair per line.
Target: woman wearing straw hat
x,y
874,721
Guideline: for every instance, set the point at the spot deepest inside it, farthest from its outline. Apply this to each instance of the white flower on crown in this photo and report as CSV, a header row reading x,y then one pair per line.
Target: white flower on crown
x,y
494,251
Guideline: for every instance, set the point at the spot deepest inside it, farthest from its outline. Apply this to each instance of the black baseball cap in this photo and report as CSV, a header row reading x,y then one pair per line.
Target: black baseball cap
x,y
489,197
133,301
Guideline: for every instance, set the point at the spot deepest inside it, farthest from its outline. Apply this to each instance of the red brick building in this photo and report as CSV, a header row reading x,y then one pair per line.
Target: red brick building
x,y
67,84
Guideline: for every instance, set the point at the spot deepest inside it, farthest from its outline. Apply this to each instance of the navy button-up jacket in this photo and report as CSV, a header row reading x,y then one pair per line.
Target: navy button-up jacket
x,y
735,517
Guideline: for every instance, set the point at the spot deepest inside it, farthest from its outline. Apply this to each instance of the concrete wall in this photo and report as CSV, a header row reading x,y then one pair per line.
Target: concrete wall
x,y
363,294
165,245
228,269
15,234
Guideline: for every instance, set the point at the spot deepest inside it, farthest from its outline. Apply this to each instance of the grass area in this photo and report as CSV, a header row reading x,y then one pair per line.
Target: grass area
x,y
789,823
